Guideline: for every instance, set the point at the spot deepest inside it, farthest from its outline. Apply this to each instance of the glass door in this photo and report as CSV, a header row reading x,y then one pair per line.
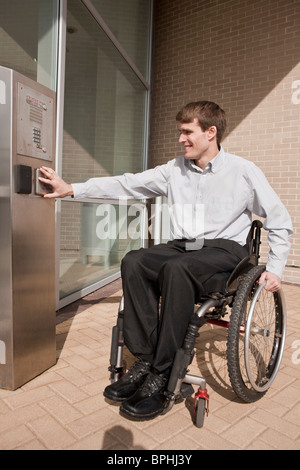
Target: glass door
x,y
105,133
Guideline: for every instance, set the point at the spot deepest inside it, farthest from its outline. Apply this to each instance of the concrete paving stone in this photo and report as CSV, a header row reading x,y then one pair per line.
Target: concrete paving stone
x,y
244,432
289,396
60,364
209,440
80,363
7,393
94,344
293,372
293,416
161,428
15,418
28,397
258,444
99,373
216,424
99,440
85,351
43,379
102,363
51,433
271,421
96,387
35,444
279,441
131,437
281,381
93,422
91,404
4,408
75,376
60,409
68,343
267,404
69,391
179,442
233,411
15,437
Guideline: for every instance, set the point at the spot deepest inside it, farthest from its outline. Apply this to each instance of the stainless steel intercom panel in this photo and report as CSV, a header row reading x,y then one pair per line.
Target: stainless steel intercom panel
x,y
34,123
27,230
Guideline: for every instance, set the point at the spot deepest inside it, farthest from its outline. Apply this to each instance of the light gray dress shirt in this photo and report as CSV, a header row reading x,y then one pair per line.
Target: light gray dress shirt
x,y
215,203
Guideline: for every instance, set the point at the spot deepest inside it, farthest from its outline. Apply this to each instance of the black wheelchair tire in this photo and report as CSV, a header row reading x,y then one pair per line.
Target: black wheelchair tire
x,y
234,357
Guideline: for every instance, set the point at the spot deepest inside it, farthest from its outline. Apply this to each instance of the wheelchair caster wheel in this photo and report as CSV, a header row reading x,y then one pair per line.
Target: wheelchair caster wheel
x,y
201,399
199,412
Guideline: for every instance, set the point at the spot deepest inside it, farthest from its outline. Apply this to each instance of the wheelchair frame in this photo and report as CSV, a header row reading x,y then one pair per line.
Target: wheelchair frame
x,y
256,335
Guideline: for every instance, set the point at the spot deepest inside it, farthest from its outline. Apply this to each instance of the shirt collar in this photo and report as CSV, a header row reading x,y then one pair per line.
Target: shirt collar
x,y
213,166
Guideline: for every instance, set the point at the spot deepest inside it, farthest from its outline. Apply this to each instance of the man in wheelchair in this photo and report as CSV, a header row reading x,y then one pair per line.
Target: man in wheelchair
x,y
223,188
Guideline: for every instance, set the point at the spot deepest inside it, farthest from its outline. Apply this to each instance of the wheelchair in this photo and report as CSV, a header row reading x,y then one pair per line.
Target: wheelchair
x,y
255,339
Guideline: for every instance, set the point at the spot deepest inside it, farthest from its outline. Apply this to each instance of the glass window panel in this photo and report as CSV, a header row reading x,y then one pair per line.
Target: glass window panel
x,y
104,117
28,38
104,134
130,23
99,237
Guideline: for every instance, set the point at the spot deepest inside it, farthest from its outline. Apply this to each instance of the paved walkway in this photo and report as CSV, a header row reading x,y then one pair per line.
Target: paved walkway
x,y
64,408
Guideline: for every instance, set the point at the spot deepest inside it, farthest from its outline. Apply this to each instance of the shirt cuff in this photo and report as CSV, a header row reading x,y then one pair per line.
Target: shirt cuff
x,y
79,190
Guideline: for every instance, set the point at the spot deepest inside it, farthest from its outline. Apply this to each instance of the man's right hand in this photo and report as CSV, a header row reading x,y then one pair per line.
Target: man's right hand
x,y
59,187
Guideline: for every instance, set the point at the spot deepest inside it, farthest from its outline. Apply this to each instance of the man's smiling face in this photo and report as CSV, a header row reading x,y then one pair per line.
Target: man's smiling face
x,y
195,141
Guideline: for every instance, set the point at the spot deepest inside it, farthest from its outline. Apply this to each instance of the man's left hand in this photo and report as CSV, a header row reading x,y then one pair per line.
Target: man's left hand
x,y
273,282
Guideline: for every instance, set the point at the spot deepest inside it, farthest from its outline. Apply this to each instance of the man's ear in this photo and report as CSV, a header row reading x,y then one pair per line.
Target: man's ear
x,y
212,132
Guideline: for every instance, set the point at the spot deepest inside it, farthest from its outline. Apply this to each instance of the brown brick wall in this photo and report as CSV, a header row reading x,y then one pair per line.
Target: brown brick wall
x,y
245,56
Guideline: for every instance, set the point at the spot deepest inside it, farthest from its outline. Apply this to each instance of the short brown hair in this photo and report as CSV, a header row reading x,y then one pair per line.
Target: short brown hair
x,y
208,114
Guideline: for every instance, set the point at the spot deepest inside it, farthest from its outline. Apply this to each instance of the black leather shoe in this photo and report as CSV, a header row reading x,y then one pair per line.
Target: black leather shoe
x,y
149,400
128,384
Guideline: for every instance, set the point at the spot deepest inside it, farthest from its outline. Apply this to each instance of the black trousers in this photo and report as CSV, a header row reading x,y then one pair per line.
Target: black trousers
x,y
175,273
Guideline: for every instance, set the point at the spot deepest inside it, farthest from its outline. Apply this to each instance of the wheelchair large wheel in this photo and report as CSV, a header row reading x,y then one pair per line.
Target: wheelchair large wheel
x,y
256,336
